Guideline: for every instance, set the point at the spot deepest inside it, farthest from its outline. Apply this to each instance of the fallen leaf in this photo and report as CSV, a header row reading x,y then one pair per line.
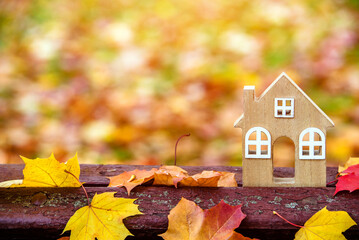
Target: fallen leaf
x,y
349,179
169,175
227,180
7,184
325,224
48,172
351,169
173,175
221,220
188,221
102,219
131,179
352,161
204,179
184,221
238,236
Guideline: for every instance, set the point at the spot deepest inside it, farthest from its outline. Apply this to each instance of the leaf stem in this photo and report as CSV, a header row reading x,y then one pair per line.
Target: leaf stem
x,y
87,196
336,178
332,181
295,225
185,135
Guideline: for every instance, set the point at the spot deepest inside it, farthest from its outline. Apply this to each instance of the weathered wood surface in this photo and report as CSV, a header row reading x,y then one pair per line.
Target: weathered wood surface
x,y
96,175
33,213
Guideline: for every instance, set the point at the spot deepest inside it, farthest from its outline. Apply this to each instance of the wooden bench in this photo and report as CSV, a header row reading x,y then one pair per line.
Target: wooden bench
x,y
42,213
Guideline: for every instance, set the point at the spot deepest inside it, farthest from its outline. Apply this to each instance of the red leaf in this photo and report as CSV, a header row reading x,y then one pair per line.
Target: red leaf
x,y
348,182
224,215
188,221
352,169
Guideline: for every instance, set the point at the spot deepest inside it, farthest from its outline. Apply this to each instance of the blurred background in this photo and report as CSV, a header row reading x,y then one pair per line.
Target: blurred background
x,y
119,81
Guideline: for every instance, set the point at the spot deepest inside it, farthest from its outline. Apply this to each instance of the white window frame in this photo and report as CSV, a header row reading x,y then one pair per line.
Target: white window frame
x,y
258,143
312,143
284,108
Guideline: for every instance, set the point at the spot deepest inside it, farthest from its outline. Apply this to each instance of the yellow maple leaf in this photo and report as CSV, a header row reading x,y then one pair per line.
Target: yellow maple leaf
x,y
48,172
327,225
102,219
350,162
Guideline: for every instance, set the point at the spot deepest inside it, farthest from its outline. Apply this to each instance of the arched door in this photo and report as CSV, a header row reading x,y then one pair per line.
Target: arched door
x,y
284,157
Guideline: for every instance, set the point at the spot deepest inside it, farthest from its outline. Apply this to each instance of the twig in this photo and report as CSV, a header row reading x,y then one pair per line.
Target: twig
x,y
186,135
295,225
88,200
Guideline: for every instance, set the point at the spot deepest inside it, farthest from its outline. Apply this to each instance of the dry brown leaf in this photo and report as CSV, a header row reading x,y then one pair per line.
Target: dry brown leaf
x,y
132,179
227,180
169,175
204,179
173,175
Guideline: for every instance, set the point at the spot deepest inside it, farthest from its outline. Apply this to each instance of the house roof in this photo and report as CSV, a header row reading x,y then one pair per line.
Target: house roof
x,y
239,121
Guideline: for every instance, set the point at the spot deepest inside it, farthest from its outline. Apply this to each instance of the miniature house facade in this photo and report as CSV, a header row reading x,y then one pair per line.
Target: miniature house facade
x,y
283,110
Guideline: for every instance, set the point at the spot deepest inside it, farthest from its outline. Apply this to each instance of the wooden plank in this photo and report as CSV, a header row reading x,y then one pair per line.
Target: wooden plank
x,y
96,175
32,213
48,209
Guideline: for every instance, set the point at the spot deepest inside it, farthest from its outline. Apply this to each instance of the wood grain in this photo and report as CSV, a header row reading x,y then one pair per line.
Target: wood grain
x,y
96,175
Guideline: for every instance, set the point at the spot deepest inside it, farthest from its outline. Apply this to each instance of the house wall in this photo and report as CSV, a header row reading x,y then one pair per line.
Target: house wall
x,y
257,173
260,113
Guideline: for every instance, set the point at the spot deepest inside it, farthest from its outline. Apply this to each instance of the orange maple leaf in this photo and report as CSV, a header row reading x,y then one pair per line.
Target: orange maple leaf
x,y
173,175
204,179
188,221
227,180
169,175
132,179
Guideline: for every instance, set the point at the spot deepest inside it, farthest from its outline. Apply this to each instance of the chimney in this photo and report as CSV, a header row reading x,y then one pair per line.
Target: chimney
x,y
248,94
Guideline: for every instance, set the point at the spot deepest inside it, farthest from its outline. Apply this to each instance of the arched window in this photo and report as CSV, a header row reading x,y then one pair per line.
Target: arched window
x,y
312,144
258,143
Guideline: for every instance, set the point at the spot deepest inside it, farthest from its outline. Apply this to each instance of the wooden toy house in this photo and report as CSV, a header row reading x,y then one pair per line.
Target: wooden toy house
x,y
282,110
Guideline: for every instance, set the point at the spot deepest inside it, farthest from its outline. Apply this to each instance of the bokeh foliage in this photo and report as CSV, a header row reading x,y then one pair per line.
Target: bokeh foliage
x,y
119,81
